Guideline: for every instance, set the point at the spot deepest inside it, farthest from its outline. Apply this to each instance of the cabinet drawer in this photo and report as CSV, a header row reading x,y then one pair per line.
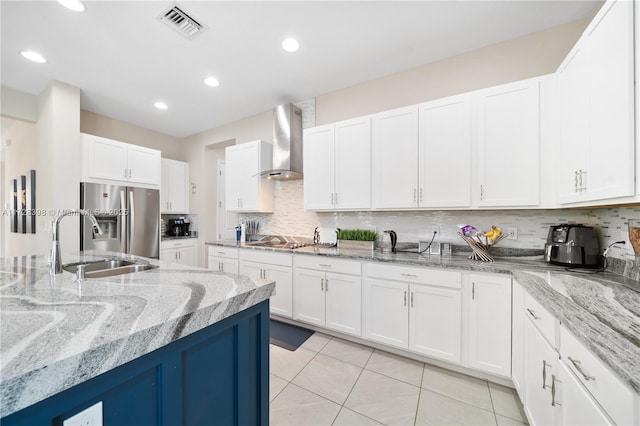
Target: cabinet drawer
x,y
617,399
321,263
219,251
541,318
436,277
173,244
267,257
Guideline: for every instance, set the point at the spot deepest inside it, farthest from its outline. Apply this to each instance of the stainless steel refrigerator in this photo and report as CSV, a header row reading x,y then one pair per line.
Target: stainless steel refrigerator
x,y
129,218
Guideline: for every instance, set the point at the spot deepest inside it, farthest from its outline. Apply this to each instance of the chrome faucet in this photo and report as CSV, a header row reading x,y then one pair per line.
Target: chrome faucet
x,y
56,259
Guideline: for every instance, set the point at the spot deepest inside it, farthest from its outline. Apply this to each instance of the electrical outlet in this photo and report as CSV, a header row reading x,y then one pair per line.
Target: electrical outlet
x,y
512,233
435,229
91,416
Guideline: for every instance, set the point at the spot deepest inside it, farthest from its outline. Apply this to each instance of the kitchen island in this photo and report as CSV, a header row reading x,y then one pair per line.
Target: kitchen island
x,y
171,345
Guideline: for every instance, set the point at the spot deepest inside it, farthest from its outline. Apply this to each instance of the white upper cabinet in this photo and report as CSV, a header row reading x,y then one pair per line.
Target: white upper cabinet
x,y
108,161
596,86
445,153
245,189
395,158
337,166
508,143
174,192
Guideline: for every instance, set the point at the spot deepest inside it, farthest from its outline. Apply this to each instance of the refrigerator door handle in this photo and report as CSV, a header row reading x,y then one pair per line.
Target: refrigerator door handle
x,y
123,222
132,216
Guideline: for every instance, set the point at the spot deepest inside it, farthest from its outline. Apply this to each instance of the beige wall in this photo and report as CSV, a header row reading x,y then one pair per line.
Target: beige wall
x,y
517,59
18,105
100,125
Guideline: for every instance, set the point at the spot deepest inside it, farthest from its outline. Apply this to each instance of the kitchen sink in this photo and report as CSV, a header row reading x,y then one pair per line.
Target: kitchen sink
x,y
108,268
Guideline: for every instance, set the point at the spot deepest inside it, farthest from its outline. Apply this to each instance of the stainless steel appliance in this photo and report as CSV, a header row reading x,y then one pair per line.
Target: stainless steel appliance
x,y
573,245
178,228
287,144
129,218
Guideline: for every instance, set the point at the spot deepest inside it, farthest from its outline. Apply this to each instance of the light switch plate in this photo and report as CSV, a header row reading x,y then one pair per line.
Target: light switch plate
x,y
91,416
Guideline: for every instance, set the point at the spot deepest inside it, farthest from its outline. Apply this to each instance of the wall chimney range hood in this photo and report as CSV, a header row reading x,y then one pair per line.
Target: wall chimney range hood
x,y
287,144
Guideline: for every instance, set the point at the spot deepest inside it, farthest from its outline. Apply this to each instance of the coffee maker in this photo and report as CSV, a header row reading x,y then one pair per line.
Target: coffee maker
x,y
178,228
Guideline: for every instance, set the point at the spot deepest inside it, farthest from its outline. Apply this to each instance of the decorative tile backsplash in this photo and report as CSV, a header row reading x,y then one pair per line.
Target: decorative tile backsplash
x,y
290,218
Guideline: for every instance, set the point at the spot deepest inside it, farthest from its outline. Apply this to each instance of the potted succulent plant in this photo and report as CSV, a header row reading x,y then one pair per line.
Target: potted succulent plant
x,y
356,239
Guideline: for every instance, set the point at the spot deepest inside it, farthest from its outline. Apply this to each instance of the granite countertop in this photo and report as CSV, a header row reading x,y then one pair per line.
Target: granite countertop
x,y
181,237
57,334
600,308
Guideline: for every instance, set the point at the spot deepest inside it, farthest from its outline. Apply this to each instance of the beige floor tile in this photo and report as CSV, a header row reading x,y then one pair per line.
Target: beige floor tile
x,y
458,386
507,421
296,406
395,366
384,399
287,364
436,409
506,402
347,417
328,377
316,342
350,352
276,384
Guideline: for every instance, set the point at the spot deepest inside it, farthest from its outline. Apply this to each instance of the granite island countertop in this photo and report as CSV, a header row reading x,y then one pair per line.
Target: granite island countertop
x,y
601,309
57,334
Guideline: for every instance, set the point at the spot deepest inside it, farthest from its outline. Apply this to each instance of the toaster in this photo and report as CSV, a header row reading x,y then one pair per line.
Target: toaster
x,y
573,245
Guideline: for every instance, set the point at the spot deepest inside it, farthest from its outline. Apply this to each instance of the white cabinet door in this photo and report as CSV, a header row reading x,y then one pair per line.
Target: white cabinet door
x,y
144,165
541,363
386,312
508,145
573,77
611,103
435,322
187,256
445,152
281,303
353,164
395,158
245,190
309,303
107,159
489,324
174,191
222,264
578,407
343,303
319,157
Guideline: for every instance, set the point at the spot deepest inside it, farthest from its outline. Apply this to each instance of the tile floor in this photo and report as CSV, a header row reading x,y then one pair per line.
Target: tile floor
x,y
329,381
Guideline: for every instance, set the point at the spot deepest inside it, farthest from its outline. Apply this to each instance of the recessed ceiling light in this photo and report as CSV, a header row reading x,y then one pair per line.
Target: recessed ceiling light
x,y
75,5
211,81
290,44
33,56
160,105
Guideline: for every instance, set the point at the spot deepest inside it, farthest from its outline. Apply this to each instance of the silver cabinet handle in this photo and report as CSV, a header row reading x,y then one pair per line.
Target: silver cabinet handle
x,y
554,379
332,198
533,314
544,373
405,298
420,194
481,192
221,267
412,299
580,172
324,265
578,365
125,173
326,284
321,284
414,195
409,275
575,181
473,291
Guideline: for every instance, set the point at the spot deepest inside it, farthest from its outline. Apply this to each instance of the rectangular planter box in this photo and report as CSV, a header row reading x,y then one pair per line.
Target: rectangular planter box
x,y
356,245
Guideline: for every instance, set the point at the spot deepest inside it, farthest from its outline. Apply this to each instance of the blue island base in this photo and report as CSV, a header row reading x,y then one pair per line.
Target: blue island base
x,y
216,376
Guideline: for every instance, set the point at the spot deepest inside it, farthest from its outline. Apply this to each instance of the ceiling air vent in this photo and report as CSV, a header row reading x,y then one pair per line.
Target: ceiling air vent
x,y
176,18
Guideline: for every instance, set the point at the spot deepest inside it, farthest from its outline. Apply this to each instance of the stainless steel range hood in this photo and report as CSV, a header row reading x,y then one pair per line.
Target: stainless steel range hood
x,y
287,144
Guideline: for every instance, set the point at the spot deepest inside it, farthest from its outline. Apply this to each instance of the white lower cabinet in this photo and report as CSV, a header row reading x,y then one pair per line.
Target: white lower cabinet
x,y
489,324
328,293
271,266
179,251
414,308
223,259
578,407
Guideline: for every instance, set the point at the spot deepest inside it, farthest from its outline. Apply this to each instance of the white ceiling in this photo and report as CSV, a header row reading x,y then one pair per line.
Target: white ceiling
x,y
123,59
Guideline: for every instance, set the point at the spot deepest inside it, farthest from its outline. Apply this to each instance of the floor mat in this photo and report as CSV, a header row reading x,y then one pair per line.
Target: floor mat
x,y
288,336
